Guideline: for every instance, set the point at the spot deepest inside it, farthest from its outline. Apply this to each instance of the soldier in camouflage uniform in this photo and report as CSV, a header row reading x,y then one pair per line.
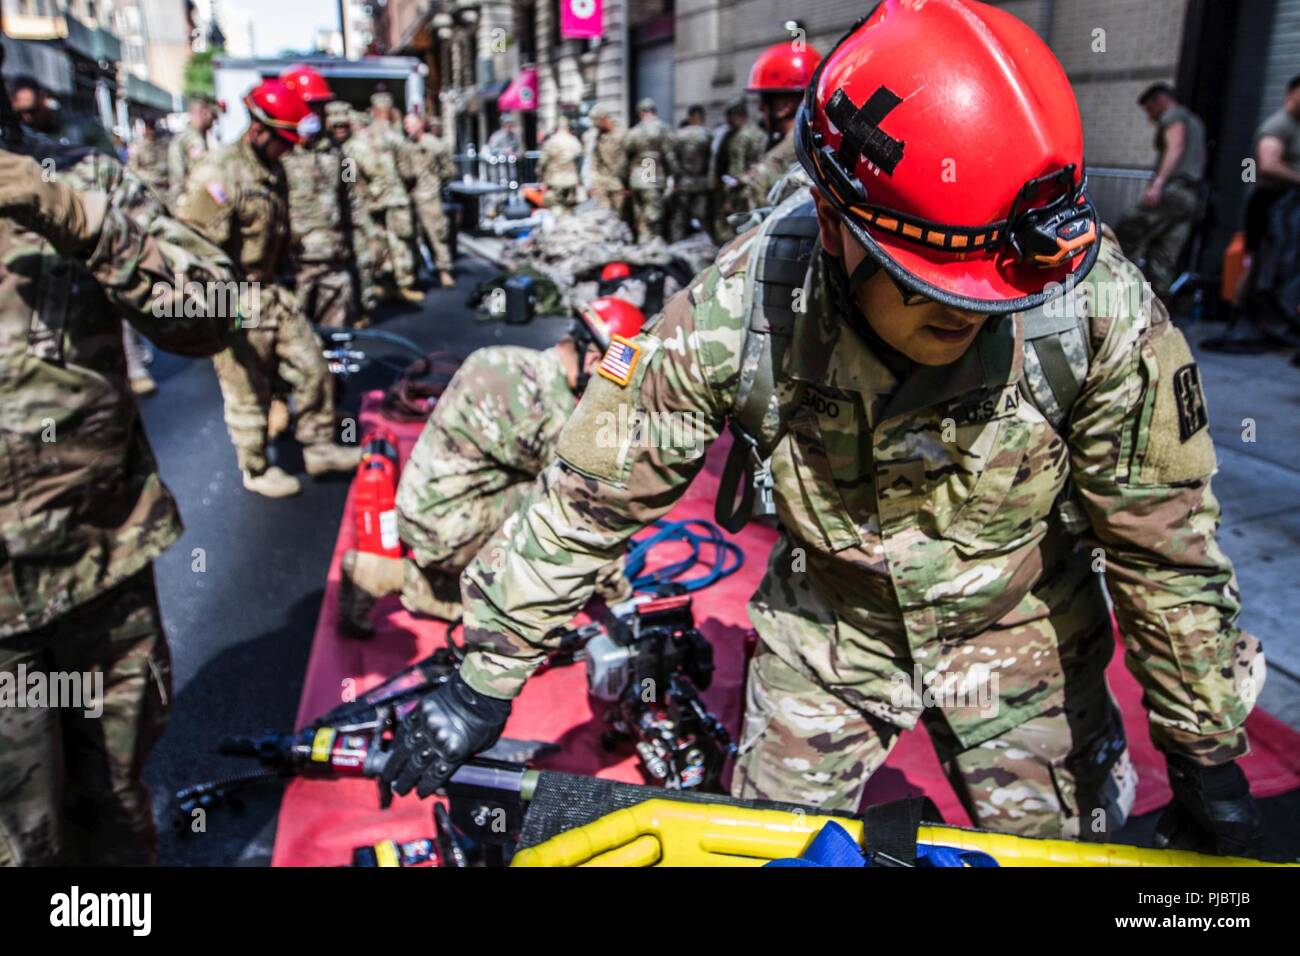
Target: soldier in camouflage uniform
x,y
928,568
83,511
237,198
191,144
690,197
434,166
491,434
650,163
383,164
778,77
736,148
365,238
558,168
607,166
148,160
321,200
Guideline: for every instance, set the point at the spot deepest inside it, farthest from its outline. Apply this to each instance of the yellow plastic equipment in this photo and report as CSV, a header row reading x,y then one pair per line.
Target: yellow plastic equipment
x,y
672,833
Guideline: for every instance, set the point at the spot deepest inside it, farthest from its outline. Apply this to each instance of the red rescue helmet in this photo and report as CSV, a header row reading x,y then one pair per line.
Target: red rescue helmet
x,y
783,68
307,83
960,172
608,316
615,270
282,110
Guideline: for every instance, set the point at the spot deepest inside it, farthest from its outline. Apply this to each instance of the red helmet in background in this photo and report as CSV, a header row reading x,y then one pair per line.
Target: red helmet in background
x,y
613,271
608,316
961,173
282,110
307,83
783,68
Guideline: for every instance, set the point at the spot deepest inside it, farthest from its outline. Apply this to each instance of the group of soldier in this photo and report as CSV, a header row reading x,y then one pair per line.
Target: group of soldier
x,y
941,448
669,183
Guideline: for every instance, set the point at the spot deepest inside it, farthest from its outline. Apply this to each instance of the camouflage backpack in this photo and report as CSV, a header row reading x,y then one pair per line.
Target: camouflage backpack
x,y
1057,352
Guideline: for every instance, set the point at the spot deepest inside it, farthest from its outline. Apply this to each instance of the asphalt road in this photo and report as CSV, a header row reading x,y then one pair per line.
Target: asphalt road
x,y
241,627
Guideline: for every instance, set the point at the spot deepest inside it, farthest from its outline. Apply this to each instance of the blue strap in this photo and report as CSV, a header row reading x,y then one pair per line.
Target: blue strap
x,y
833,846
727,558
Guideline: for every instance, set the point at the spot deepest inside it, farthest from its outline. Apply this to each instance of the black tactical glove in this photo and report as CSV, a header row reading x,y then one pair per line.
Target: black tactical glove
x,y
1212,810
451,723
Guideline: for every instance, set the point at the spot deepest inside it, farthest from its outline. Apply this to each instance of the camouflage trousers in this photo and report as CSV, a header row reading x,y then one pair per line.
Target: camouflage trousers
x,y
561,199
685,207
433,223
326,294
70,777
609,193
1065,773
648,208
283,347
398,231
1159,233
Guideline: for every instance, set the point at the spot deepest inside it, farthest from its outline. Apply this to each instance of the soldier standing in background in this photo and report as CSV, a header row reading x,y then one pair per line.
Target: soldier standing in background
x,y
608,159
558,168
190,144
237,198
85,511
690,198
737,146
382,162
365,238
435,165
1155,232
148,159
491,434
649,146
779,77
319,205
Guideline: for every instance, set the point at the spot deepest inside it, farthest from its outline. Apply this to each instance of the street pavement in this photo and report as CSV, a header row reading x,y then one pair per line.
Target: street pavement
x,y
241,627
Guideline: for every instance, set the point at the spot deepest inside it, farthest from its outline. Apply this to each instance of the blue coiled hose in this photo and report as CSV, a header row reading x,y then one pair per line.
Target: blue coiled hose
x,y
727,557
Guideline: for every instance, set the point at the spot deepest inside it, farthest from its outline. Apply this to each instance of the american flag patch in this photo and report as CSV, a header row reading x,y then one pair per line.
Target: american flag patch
x,y
620,360
217,192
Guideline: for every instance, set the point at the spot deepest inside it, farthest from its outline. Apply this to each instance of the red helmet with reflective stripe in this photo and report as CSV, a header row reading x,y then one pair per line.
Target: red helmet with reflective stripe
x,y
307,83
948,139
281,109
608,316
783,68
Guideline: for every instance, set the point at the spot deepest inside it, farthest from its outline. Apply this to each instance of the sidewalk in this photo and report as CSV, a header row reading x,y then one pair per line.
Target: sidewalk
x,y
1258,487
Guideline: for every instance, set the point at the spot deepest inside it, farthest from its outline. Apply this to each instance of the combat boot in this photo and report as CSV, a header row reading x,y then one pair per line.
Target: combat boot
x,y
327,457
277,419
365,579
447,279
413,296
272,483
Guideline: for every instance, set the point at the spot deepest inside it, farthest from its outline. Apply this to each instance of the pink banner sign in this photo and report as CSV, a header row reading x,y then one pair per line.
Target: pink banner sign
x,y
521,94
580,19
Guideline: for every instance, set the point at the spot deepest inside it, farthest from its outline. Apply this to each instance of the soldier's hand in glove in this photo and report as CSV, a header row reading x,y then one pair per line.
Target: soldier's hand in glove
x,y
47,206
450,724
1212,810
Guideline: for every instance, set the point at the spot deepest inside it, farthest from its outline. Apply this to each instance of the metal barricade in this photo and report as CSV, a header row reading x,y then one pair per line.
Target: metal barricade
x,y
1116,190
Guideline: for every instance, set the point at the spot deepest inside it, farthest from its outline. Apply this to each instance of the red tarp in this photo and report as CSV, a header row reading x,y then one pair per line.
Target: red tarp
x,y
321,821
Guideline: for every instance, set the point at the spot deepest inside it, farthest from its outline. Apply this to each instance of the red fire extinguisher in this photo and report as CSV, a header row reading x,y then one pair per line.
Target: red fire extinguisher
x,y
375,495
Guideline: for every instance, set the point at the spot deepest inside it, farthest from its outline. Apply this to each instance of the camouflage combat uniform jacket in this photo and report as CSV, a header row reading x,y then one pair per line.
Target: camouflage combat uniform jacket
x,y
759,179
82,507
650,160
493,430
183,153
320,202
434,166
919,520
149,161
608,172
